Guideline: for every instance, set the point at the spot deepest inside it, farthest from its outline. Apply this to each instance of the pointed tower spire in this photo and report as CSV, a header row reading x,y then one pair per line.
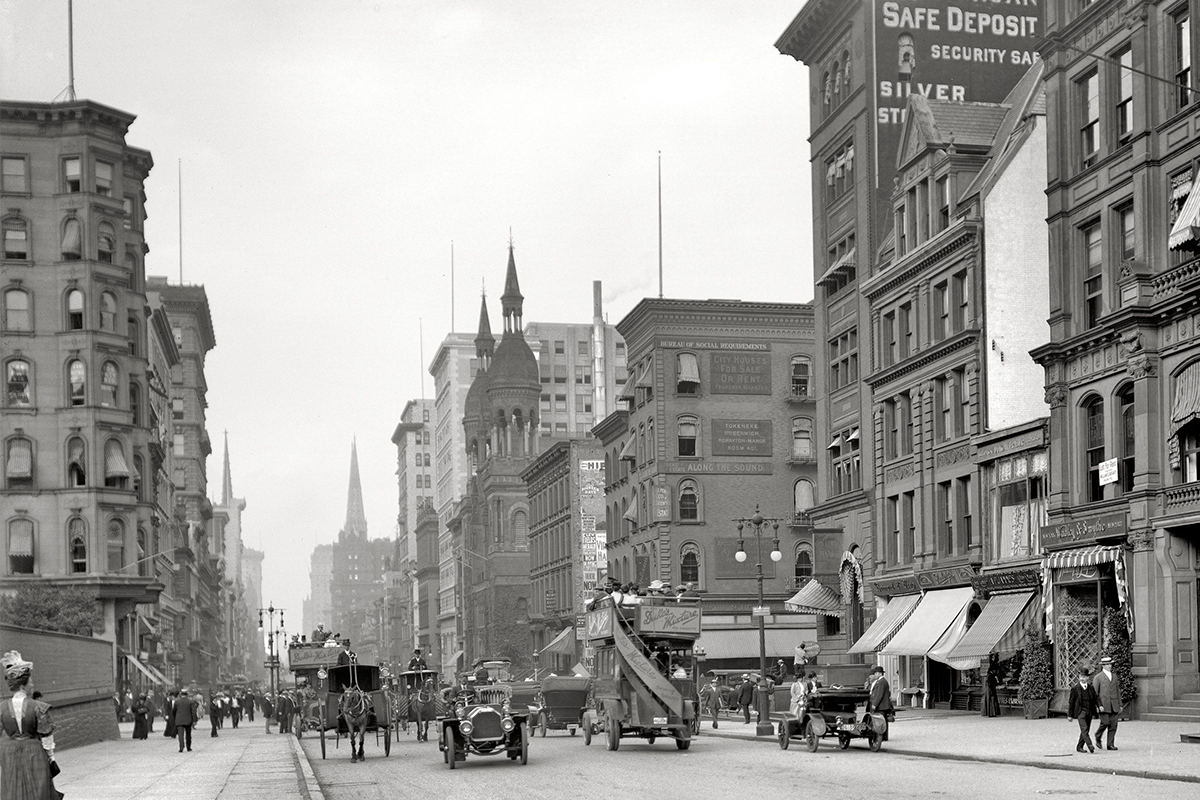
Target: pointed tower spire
x,y
512,300
227,478
356,517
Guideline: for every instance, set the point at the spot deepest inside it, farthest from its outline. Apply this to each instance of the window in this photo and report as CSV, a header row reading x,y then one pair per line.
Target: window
x,y
1093,413
77,540
1183,59
128,207
560,373
583,404
108,385
1016,491
176,408
427,460
846,461
801,369
964,535
901,228
802,444
544,402
106,243
688,373
943,520
76,463
132,328
941,199
908,531
77,377
802,497
116,468
689,501
20,547
583,375
74,310
620,350
18,464
960,294
559,348
803,570
560,402
905,333
1093,282
891,429
839,172
941,310
177,335
904,417
116,545
72,240
1125,223
1125,94
1128,438
1189,451
582,348
843,360
71,174
520,525
16,310
891,522
888,336
416,459
962,404
16,375
689,563
138,477
16,239
1181,189
104,174
13,175
687,436
108,311
1088,90
179,445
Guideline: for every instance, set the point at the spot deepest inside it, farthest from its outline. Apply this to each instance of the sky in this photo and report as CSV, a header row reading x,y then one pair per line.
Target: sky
x,y
333,153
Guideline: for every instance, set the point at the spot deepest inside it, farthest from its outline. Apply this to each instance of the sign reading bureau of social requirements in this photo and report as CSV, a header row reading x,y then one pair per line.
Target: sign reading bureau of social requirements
x,y
958,50
741,437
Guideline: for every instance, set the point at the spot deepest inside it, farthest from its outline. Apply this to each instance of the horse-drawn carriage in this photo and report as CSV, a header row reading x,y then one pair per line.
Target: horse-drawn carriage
x,y
307,660
353,702
417,701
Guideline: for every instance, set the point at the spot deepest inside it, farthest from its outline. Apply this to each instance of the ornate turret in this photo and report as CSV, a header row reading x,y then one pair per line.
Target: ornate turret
x,y
513,382
476,411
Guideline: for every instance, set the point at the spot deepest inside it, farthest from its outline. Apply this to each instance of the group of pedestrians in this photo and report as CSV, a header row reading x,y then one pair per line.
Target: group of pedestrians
x,y
1095,696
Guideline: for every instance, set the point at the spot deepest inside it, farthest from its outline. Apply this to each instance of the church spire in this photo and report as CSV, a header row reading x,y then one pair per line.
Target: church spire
x,y
484,341
356,518
226,479
512,300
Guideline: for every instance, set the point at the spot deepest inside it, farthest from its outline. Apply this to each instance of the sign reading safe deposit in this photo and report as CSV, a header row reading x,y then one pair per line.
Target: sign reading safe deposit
x,y
741,437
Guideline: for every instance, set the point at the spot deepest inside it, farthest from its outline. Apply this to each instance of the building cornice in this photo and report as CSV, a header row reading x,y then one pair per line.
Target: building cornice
x,y
964,233
959,341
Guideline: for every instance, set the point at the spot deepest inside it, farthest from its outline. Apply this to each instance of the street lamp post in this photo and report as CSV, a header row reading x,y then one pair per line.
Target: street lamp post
x,y
757,523
272,659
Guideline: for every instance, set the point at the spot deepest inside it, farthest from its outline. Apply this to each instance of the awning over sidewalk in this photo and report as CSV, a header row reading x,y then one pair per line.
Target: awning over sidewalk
x,y
744,643
937,612
886,624
999,617
142,669
815,598
163,679
563,644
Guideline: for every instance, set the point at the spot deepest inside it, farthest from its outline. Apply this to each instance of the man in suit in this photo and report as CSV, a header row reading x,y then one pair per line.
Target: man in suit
x,y
879,701
214,714
184,714
347,656
417,661
285,710
745,697
1108,702
1082,706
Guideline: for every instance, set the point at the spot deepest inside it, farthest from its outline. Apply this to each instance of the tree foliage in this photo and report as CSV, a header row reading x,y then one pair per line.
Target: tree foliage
x,y
1120,649
1037,672
47,607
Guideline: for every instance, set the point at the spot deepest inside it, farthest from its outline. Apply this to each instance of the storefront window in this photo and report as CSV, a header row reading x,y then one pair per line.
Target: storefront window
x,y
1016,501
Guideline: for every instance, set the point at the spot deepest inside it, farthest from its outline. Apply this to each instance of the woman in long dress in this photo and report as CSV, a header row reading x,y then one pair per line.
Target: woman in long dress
x,y
26,737
141,718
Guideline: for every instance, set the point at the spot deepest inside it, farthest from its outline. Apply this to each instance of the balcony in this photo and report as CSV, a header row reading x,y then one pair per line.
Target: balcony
x,y
800,394
1181,499
799,519
801,459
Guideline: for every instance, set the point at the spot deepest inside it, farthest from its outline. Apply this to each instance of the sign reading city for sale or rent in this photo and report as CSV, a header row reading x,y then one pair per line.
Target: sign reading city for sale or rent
x,y
1108,472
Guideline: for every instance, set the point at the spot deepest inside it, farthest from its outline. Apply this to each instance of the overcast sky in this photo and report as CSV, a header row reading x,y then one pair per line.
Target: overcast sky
x,y
333,150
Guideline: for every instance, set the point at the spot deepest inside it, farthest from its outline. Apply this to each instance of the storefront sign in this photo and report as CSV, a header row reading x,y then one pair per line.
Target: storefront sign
x,y
890,587
309,657
741,437
988,582
673,619
711,344
1108,472
589,533
942,578
1084,531
715,468
662,503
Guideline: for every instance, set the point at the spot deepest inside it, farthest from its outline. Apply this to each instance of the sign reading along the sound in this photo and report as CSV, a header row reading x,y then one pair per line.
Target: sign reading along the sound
x,y
958,50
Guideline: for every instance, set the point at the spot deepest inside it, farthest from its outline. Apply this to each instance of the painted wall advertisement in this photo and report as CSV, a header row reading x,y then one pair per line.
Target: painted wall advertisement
x,y
591,550
946,50
741,437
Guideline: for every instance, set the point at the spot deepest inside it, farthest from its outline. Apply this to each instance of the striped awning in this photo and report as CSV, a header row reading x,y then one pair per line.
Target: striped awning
x,y
1084,556
115,465
815,598
1187,396
689,370
644,380
627,452
933,617
1187,224
20,459
886,624
142,669
71,238
847,260
563,644
981,639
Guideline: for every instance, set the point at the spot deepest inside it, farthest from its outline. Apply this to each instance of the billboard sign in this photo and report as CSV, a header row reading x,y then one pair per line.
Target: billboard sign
x,y
741,437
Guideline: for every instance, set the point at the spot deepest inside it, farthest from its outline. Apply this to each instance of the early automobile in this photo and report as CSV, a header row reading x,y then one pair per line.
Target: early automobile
x,y
482,721
562,703
834,712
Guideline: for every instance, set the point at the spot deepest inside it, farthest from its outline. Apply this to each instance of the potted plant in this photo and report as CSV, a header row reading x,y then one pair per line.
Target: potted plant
x,y
1037,677
1120,649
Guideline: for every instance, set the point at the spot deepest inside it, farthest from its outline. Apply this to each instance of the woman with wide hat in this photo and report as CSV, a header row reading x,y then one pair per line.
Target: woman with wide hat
x,y
26,736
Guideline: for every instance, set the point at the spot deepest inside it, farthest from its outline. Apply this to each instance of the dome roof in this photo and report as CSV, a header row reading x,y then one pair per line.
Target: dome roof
x,y
475,407
514,366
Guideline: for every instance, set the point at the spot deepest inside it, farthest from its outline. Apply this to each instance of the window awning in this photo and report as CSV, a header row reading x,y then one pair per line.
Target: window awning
x,y
75,451
1085,557
643,381
936,613
886,624
815,598
630,514
149,626
454,657
115,465
563,644
1187,224
836,443
1187,397
71,238
853,437
744,643
20,459
689,370
627,452
142,669
953,635
999,617
848,260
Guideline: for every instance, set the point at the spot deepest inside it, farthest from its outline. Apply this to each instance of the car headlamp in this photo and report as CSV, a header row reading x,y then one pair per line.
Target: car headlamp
x,y
460,711
466,727
507,724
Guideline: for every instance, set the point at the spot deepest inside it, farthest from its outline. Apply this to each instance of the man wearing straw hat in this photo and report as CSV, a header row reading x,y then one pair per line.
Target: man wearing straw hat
x,y
1108,702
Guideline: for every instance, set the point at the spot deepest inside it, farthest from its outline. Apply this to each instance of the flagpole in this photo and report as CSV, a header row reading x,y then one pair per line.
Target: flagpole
x,y
660,268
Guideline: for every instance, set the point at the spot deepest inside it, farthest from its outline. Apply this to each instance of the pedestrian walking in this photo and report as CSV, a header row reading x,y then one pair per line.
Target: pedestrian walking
x,y
185,714
1108,702
268,709
214,714
991,702
745,696
141,729
710,698
27,765
235,710
1082,706
168,714
151,712
248,702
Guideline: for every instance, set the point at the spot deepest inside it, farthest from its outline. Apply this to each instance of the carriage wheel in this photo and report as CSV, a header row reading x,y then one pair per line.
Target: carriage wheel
x,y
322,739
587,732
387,741
524,731
785,735
542,723
448,738
813,741
651,738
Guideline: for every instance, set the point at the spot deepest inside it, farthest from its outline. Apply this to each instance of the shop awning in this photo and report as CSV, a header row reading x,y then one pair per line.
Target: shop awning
x,y
142,669
886,624
1187,224
815,598
1084,556
162,679
744,643
115,465
1187,397
842,264
456,655
997,619
937,612
563,644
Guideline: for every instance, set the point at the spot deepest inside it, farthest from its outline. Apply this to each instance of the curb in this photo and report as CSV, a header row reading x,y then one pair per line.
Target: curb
x,y
1124,773
306,779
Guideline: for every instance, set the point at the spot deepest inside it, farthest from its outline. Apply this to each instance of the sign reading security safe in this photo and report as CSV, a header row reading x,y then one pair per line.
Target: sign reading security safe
x,y
741,437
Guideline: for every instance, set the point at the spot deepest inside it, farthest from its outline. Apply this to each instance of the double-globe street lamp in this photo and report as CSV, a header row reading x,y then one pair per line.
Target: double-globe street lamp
x,y
756,524
272,658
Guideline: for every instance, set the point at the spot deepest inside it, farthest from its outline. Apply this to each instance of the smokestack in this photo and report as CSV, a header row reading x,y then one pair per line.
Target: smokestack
x,y
599,386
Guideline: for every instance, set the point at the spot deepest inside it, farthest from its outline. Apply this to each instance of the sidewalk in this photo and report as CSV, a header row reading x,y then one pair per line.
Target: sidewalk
x,y
236,765
1146,749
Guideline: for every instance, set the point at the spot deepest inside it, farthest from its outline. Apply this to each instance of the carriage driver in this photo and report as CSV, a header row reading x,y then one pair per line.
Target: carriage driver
x,y
417,661
347,656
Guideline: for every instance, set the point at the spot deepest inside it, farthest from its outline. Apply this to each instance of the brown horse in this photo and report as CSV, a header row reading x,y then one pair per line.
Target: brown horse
x,y
355,708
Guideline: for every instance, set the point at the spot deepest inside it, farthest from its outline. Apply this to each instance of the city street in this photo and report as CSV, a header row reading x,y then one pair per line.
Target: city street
x,y
560,765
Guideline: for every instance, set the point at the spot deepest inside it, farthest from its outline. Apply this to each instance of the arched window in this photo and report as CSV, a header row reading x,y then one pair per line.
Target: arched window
x,y
1127,437
72,240
687,437
74,310
77,540
108,385
520,522
108,312
115,542
116,468
76,462
77,376
16,310
18,463
802,494
16,239
802,446
689,563
106,243
18,393
20,547
804,564
689,500
1093,414
687,373
801,370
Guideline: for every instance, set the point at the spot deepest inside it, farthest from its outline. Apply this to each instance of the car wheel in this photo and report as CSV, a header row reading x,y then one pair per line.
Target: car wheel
x,y
875,742
524,744
684,739
613,728
843,742
448,738
651,738
813,742
543,723
587,734
785,736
